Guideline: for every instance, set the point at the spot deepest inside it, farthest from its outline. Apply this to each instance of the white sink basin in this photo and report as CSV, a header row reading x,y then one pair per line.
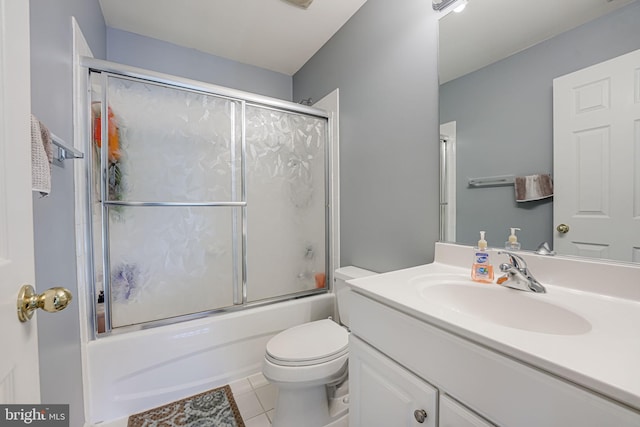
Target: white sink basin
x,y
506,307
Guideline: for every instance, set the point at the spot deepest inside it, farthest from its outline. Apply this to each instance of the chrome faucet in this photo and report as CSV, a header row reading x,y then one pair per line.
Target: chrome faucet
x,y
518,275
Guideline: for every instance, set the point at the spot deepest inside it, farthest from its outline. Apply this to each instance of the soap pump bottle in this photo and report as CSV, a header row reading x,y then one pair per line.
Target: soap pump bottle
x,y
481,270
512,242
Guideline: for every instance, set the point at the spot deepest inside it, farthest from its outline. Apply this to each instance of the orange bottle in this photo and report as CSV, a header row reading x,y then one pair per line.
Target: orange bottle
x,y
112,132
481,270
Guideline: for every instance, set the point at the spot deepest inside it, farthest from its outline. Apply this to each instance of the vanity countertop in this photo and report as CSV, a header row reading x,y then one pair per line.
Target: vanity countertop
x,y
590,339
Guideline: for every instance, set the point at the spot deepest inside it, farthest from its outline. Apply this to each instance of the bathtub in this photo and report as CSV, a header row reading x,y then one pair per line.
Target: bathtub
x,y
131,372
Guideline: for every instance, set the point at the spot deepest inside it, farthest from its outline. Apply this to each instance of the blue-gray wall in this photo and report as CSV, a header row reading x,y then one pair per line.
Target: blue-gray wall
x,y
144,52
384,61
504,118
51,102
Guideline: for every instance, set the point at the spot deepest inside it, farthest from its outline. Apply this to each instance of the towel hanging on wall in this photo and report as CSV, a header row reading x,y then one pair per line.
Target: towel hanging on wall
x,y
41,157
533,187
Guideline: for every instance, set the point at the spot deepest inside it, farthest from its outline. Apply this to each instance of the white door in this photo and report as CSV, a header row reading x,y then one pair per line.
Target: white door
x,y
596,113
448,182
383,393
19,379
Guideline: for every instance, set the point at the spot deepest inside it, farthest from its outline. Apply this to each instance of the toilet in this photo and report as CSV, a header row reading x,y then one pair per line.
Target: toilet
x,y
308,364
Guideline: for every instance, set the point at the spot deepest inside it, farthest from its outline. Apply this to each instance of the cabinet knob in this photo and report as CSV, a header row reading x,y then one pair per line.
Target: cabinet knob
x,y
420,415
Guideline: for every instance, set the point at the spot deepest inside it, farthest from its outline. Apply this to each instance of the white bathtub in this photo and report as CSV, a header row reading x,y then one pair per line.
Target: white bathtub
x,y
135,371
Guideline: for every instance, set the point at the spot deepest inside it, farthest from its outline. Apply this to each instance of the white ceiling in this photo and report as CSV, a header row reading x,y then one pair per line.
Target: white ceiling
x,y
271,34
278,36
489,30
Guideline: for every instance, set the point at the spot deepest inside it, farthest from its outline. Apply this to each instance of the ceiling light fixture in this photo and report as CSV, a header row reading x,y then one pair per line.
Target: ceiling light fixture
x,y
460,7
301,3
440,5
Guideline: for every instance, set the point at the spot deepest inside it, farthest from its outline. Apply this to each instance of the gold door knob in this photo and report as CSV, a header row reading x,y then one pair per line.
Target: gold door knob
x,y
563,228
51,300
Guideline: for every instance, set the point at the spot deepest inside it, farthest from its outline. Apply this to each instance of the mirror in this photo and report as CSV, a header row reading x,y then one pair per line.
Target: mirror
x,y
498,60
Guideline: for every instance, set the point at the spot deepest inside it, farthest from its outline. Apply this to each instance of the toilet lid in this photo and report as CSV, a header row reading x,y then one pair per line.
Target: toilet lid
x,y
308,344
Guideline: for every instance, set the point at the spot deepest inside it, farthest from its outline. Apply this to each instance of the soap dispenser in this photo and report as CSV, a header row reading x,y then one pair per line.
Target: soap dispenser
x,y
481,270
512,242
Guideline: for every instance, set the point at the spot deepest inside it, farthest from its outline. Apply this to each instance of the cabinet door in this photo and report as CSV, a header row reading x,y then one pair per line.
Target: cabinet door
x,y
453,414
383,393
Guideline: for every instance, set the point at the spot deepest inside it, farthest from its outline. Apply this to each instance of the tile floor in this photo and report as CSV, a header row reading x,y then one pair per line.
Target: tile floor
x,y
256,399
254,396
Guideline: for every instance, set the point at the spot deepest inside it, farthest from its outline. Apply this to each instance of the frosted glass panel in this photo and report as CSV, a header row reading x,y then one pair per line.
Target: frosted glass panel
x,y
203,194
174,145
285,184
169,261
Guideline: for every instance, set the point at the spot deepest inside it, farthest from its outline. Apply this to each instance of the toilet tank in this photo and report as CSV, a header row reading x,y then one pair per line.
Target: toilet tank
x,y
340,277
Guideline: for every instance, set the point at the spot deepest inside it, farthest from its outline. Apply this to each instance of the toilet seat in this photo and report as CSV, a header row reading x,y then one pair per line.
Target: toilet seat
x,y
308,344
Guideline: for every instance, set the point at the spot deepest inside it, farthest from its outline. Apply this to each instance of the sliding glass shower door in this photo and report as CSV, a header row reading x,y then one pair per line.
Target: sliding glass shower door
x,y
168,198
286,225
201,202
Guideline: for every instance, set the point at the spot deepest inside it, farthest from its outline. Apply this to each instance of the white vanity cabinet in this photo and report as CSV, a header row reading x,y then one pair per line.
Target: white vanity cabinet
x,y
394,354
382,393
453,414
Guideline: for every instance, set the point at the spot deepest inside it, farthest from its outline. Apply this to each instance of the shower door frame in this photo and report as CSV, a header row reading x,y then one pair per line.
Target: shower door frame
x,y
111,69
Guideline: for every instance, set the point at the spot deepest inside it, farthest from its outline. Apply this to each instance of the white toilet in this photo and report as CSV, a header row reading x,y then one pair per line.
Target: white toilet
x,y
306,361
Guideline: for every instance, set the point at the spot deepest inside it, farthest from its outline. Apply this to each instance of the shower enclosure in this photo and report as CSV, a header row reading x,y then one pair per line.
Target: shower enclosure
x,y
201,199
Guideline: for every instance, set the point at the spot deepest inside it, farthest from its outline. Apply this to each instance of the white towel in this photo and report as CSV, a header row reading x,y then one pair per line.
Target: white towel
x,y
533,187
41,157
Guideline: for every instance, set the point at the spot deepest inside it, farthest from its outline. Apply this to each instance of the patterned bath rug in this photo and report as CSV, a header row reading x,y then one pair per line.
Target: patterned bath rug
x,y
213,408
